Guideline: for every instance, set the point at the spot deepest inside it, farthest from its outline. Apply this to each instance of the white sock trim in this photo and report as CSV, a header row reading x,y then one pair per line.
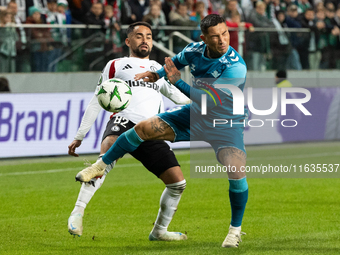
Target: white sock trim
x,y
238,228
176,184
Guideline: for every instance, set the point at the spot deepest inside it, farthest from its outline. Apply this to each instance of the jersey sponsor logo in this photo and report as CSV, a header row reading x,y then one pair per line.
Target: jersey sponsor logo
x,y
151,85
205,86
127,67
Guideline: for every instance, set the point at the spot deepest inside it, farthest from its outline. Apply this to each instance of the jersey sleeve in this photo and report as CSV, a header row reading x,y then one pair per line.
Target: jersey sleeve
x,y
173,93
109,72
89,117
193,93
93,108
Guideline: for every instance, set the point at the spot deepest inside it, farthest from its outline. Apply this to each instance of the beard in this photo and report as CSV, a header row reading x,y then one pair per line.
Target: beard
x,y
141,53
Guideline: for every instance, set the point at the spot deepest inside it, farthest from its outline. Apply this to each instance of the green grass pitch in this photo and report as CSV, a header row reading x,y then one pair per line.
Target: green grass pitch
x,y
283,215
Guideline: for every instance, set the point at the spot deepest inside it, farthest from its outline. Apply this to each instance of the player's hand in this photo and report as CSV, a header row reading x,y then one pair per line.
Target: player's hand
x,y
147,76
72,148
171,71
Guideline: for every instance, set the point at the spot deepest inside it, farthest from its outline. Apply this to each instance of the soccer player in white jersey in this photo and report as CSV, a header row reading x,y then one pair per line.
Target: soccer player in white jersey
x,y
156,156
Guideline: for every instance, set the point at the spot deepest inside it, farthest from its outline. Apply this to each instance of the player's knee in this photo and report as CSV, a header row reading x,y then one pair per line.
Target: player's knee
x,y
107,143
142,130
173,190
176,189
236,173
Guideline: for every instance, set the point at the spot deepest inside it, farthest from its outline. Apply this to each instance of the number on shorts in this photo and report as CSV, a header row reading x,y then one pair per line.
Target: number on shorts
x,y
121,121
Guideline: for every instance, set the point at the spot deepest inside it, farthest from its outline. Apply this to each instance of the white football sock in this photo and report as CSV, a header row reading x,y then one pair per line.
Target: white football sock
x,y
168,206
88,189
238,228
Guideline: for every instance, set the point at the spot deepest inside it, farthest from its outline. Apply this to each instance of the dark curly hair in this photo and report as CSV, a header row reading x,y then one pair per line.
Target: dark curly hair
x,y
211,21
139,23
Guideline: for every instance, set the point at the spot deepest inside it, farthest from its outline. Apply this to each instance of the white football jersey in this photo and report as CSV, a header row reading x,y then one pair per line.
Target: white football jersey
x,y
146,98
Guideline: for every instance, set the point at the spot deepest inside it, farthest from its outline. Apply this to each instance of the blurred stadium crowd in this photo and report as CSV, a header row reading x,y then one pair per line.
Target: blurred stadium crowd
x,y
257,30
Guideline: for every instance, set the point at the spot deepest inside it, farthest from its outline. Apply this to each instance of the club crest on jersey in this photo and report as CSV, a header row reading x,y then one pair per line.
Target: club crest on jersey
x,y
153,69
215,74
115,128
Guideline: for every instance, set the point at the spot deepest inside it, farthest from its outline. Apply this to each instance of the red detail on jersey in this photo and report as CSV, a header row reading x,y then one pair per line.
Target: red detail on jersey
x,y
113,115
142,66
213,90
112,71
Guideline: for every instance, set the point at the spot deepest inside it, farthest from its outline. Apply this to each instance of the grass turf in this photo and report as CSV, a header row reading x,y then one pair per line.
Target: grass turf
x,y
283,216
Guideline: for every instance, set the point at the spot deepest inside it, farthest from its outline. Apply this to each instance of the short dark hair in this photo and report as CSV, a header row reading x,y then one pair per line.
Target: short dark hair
x,y
281,74
4,86
211,20
139,23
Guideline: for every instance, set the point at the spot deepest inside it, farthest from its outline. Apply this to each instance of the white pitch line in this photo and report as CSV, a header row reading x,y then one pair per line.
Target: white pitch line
x,y
183,163
69,169
40,172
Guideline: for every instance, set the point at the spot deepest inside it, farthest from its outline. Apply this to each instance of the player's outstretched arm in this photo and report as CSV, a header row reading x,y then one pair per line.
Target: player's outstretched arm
x,y
72,148
174,76
178,60
173,93
89,117
147,76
